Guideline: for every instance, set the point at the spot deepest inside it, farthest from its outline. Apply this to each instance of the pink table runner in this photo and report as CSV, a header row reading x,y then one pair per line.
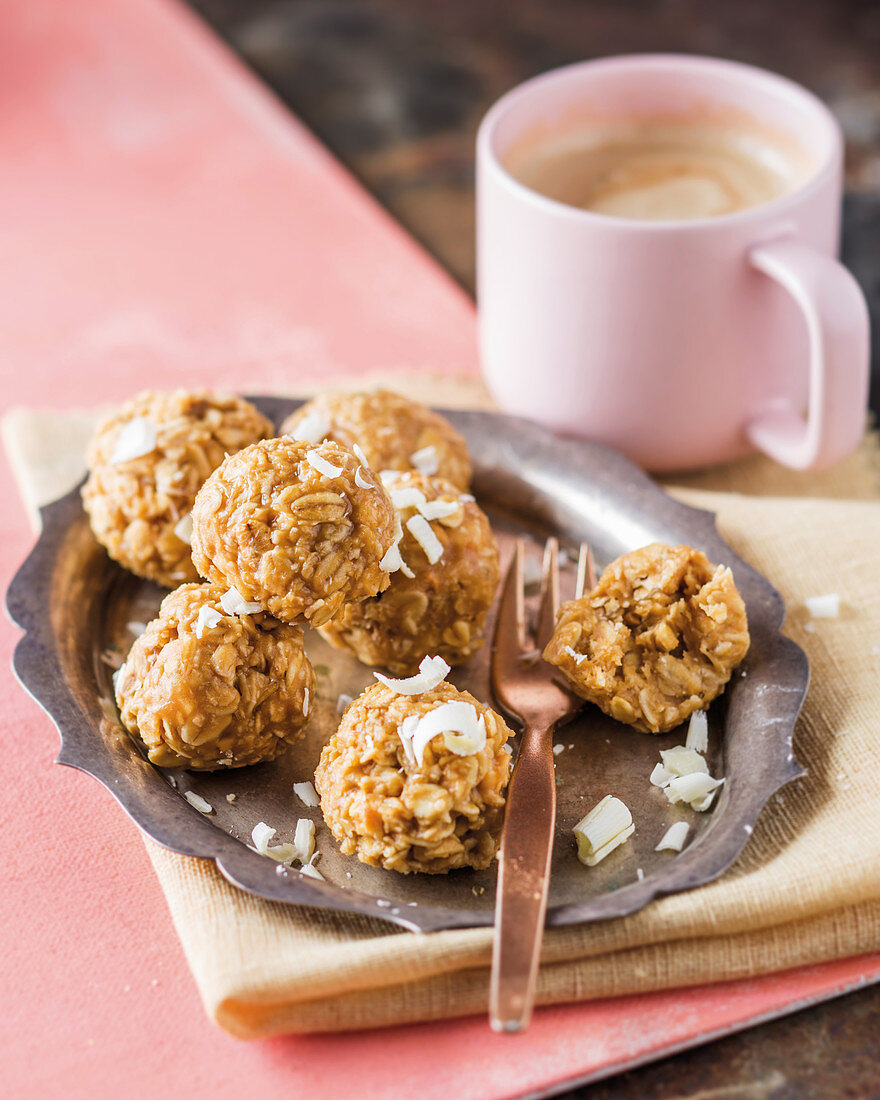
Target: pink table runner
x,y
166,223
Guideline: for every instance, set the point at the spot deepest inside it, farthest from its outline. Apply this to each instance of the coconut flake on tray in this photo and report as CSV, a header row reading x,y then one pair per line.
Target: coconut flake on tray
x,y
602,830
674,837
698,732
306,793
198,803
432,671
234,603
137,438
696,789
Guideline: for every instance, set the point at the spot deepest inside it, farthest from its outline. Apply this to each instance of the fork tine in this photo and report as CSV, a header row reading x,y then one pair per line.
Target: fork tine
x,y
510,625
586,575
549,595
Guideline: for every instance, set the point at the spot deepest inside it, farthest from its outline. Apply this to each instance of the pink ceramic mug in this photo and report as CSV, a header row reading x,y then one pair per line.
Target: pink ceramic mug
x,y
681,343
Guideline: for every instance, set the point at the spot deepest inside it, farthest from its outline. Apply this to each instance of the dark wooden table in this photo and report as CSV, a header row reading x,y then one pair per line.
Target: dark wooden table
x,y
396,88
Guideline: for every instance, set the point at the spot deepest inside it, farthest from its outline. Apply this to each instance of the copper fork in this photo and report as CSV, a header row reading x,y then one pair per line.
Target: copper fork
x,y
531,694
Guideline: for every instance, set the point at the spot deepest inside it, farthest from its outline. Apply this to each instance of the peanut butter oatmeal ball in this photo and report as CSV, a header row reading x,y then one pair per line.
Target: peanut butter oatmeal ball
x,y
206,687
416,782
440,592
393,432
300,528
656,639
147,462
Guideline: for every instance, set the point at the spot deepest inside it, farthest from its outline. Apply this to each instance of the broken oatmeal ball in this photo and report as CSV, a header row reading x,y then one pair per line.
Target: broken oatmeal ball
x,y
214,683
656,639
299,528
393,432
444,574
415,782
146,463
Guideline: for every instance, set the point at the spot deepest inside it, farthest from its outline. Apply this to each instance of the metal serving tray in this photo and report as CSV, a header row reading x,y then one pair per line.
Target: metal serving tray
x,y
75,604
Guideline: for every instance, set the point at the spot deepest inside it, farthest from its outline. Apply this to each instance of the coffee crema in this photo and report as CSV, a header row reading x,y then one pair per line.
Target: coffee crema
x,y
660,171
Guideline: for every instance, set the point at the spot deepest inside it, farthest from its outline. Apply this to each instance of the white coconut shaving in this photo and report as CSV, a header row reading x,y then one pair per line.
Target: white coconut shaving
x,y
359,454
575,656
824,607
137,438
426,460
305,702
557,749
698,732
208,617
408,497
311,872
343,702
696,789
361,481
421,531
432,671
467,498
674,837
439,509
463,730
281,853
304,839
306,793
198,803
184,529
683,761
234,603
135,627
313,428
388,477
603,829
660,776
319,463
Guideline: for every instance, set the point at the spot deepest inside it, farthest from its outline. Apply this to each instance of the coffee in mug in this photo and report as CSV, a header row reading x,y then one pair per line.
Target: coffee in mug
x,y
662,170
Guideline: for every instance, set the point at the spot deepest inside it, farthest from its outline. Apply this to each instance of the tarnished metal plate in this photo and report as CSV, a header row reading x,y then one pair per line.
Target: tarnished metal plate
x,y
75,605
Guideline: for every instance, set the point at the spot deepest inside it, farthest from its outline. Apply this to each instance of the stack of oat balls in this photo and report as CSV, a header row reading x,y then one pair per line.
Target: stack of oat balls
x,y
356,521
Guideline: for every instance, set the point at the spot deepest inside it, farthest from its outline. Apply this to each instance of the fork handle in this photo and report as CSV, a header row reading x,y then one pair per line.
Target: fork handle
x,y
523,881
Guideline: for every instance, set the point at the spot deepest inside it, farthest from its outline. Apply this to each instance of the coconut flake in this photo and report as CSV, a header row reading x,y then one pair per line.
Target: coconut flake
x,y
698,732
198,803
408,497
824,607
319,463
421,531
207,617
343,702
660,776
387,477
117,676
467,498
281,853
135,627
361,481
695,789
234,603
674,837
359,454
432,671
304,839
439,509
311,872
575,656
557,749
313,427
426,460
603,829
305,702
306,793
184,528
683,761
405,732
137,438
464,731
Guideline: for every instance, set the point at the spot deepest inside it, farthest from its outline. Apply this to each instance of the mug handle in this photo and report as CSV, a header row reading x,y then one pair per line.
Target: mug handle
x,y
836,314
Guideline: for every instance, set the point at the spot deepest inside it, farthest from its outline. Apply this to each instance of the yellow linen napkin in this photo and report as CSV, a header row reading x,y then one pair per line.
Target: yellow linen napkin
x,y
805,889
